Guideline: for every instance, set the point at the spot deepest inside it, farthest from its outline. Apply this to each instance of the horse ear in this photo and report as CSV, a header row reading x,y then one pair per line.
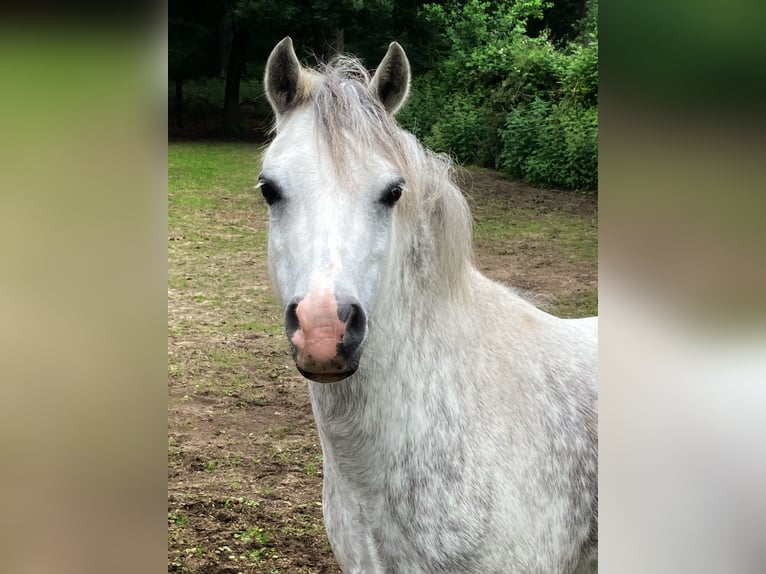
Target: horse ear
x,y
391,81
283,77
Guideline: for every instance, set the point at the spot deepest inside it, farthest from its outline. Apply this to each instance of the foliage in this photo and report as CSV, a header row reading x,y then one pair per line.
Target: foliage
x,y
321,27
552,144
189,48
467,130
503,99
204,96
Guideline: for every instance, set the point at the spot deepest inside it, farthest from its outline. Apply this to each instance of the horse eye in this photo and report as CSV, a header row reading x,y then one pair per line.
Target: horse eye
x,y
391,195
269,191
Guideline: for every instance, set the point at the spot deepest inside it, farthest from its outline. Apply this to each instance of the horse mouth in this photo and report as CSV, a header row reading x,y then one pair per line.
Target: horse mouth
x,y
326,377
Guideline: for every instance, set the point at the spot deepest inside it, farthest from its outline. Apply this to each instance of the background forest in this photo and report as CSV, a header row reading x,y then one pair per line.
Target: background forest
x,y
510,85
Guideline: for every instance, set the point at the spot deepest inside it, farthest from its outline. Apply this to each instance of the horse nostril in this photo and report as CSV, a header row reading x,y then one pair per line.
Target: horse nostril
x,y
292,324
355,319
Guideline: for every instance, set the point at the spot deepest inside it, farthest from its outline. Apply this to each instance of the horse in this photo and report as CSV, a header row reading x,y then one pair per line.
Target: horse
x,y
458,422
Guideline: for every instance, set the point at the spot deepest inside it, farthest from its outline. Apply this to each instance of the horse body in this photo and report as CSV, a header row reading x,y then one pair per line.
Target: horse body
x,y
461,434
444,456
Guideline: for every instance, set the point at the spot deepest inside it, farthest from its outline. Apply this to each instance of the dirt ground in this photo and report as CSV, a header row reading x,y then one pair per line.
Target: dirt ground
x,y
244,461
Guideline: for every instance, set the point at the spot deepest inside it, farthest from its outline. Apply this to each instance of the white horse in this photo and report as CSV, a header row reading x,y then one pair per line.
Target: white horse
x,y
457,421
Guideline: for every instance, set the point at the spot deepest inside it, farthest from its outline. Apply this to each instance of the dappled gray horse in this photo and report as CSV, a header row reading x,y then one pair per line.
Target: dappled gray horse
x,y
457,421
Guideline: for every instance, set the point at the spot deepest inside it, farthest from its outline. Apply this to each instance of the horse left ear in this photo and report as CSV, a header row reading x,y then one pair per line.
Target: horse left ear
x,y
391,81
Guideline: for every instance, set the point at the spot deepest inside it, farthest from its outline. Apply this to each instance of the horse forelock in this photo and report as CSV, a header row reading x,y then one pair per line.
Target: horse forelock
x,y
352,123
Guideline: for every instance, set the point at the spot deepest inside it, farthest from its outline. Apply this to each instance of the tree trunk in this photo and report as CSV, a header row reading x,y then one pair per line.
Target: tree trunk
x,y
233,76
225,28
179,107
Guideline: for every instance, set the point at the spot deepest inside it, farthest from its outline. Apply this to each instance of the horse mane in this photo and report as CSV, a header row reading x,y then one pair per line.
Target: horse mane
x,y
352,122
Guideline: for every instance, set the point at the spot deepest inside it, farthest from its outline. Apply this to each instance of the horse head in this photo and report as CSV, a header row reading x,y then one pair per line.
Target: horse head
x,y
333,197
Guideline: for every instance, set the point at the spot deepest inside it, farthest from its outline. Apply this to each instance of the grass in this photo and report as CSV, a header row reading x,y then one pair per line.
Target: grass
x,y
575,239
217,278
576,305
253,534
241,500
311,469
177,518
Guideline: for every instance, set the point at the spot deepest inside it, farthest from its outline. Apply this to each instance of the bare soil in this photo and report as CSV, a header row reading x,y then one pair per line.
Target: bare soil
x,y
536,263
244,461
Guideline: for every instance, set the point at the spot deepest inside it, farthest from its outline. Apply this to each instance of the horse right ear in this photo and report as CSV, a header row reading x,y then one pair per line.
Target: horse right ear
x,y
283,77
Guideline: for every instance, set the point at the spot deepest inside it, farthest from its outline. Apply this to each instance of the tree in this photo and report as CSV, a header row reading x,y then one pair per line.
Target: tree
x,y
237,55
191,44
188,43
256,25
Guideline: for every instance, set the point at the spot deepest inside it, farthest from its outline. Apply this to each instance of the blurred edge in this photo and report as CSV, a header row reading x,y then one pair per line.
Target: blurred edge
x,y
82,292
682,279
82,236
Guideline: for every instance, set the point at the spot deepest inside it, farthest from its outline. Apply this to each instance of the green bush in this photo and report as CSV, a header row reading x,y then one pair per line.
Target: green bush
x,y
552,145
579,82
467,130
535,69
502,99
423,107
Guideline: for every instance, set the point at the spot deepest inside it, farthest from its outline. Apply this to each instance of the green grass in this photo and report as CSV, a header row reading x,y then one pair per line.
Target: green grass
x,y
577,305
212,176
241,500
217,245
260,327
574,238
177,518
251,534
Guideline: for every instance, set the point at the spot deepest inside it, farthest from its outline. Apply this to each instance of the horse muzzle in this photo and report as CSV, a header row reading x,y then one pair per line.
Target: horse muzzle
x,y
326,332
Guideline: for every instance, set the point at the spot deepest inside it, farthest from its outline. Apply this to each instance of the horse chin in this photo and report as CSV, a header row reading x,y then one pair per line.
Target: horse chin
x,y
326,377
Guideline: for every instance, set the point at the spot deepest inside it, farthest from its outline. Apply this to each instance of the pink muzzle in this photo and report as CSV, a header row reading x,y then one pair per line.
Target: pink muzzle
x,y
326,332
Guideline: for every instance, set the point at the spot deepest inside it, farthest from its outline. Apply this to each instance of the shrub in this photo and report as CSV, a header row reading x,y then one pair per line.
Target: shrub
x,y
423,107
579,83
467,130
500,98
552,145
